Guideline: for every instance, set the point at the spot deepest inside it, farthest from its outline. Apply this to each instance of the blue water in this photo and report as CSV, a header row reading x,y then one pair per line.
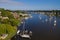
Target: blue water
x,y
42,29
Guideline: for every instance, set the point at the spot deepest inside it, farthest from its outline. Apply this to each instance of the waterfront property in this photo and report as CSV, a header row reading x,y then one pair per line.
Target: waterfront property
x,y
44,24
8,24
47,12
3,36
43,27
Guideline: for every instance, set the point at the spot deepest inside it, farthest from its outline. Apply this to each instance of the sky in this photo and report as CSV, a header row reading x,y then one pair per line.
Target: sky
x,y
30,4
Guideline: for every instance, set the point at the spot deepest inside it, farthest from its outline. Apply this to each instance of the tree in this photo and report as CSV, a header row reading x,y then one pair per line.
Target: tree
x,y
6,14
5,21
14,22
2,29
6,29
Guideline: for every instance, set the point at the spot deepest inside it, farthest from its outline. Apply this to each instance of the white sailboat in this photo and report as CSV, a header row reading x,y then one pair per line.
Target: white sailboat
x,y
54,22
40,17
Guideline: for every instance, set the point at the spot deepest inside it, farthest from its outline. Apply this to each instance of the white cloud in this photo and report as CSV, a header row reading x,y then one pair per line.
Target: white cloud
x,y
4,0
10,2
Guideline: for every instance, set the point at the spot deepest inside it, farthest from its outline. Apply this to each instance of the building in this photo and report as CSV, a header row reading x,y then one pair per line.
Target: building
x,y
0,13
4,18
3,36
0,16
23,14
16,15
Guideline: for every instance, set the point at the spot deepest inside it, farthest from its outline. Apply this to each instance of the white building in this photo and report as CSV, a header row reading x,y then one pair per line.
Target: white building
x,y
5,18
0,12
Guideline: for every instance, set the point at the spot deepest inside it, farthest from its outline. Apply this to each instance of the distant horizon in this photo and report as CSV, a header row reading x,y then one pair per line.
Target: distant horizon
x,y
21,9
30,4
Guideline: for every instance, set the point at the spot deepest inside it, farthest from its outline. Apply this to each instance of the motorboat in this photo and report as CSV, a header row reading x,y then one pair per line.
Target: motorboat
x,y
25,36
26,17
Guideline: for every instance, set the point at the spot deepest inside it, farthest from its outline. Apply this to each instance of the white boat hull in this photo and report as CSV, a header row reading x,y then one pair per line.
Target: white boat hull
x,y
25,36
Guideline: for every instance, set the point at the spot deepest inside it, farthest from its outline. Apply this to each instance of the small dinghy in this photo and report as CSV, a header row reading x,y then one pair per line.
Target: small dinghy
x,y
18,32
25,36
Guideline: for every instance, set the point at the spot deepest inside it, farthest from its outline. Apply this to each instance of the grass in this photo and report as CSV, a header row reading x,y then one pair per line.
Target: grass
x,y
10,35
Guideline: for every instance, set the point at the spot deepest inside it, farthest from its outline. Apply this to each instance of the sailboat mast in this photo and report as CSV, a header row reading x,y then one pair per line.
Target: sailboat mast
x,y
23,26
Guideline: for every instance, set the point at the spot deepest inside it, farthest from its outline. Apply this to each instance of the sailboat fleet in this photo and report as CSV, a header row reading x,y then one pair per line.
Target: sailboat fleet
x,y
24,33
49,19
28,34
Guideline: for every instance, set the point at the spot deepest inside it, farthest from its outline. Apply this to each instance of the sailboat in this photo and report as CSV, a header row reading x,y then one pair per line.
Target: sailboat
x,y
25,33
54,22
40,17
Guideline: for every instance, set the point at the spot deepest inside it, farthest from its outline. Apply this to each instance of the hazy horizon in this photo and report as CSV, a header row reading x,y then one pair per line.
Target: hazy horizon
x,y
30,4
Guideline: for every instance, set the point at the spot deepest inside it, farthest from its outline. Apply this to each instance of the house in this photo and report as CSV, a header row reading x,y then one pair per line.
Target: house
x,y
0,13
0,16
4,18
16,15
23,14
3,36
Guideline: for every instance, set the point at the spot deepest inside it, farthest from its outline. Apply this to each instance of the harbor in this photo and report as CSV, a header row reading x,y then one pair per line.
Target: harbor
x,y
29,19
43,27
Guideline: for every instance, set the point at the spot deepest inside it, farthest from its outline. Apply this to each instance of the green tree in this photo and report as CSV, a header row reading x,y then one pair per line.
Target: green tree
x,y
2,29
14,22
5,21
6,13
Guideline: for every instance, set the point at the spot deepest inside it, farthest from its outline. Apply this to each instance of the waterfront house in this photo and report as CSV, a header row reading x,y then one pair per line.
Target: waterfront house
x,y
0,13
4,18
0,16
16,15
3,36
23,14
